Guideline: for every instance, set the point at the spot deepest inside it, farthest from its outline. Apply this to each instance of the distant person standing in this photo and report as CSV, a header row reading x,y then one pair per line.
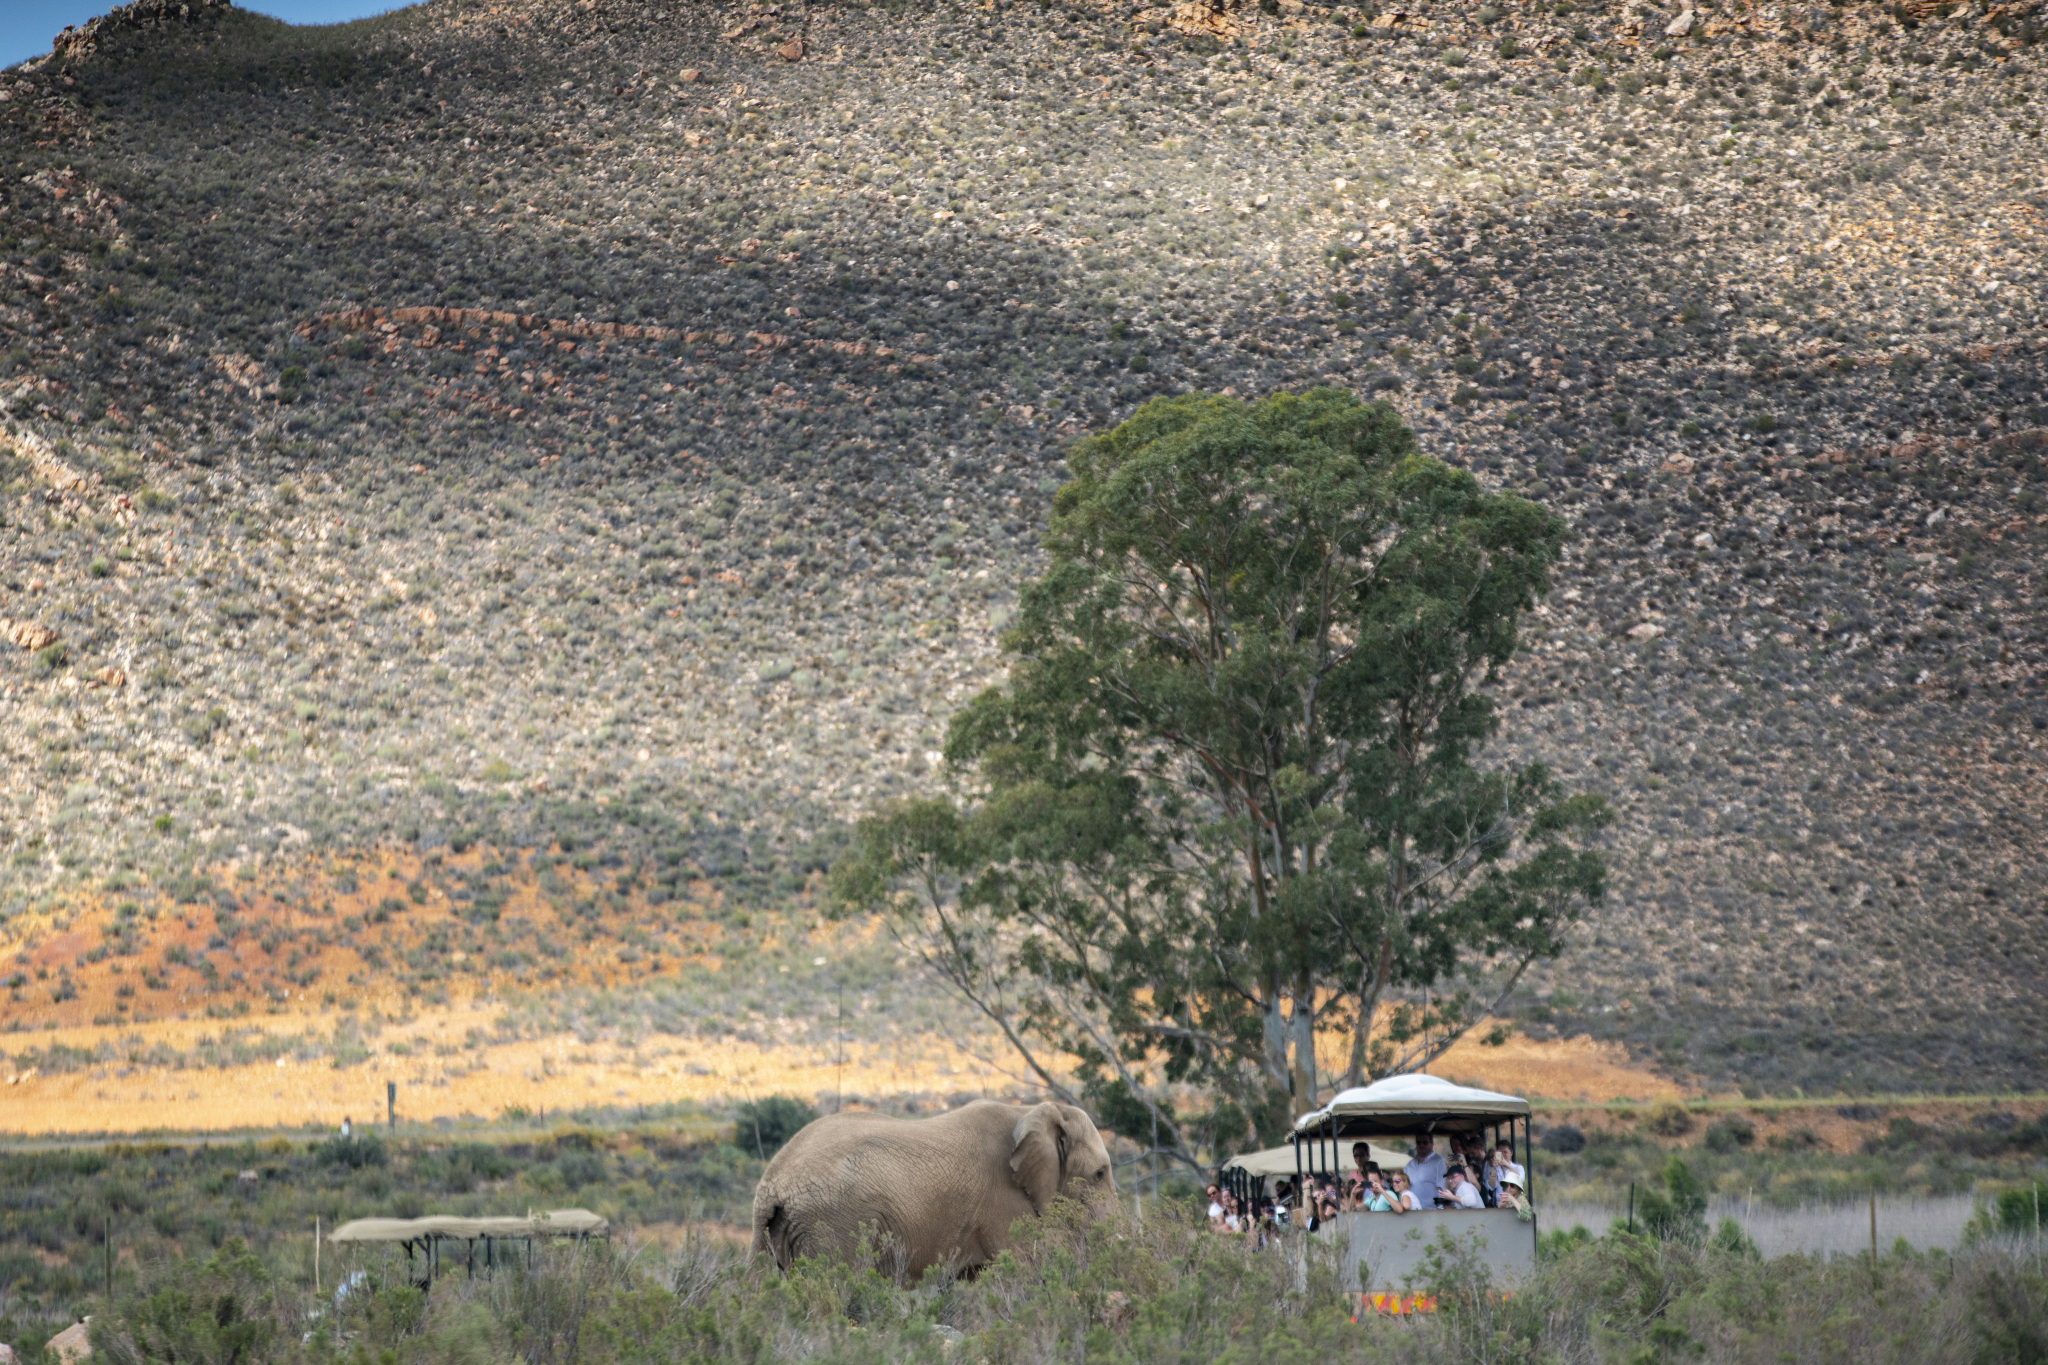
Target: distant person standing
x,y
1425,1171
346,1127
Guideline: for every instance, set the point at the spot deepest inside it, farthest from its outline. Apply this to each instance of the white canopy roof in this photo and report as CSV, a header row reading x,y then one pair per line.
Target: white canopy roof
x,y
1413,1104
557,1223
1280,1160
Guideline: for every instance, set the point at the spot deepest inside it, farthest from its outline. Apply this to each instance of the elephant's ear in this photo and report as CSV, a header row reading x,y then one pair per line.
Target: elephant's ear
x,y
1038,1149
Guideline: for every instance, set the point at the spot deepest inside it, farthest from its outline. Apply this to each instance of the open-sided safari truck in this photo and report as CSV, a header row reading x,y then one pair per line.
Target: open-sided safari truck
x,y
1390,1247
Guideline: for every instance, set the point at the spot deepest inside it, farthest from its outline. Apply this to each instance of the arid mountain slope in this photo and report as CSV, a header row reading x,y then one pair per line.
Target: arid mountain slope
x,y
614,432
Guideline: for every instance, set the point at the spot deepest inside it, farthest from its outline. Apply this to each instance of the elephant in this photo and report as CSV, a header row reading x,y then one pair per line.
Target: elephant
x,y
944,1189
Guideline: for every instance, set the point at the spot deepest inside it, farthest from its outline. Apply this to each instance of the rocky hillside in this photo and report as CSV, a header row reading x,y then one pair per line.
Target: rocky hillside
x,y
616,431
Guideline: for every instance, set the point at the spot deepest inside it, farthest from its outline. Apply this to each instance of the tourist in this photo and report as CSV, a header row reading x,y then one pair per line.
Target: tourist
x,y
1425,1171
1502,1166
1459,1192
1327,1205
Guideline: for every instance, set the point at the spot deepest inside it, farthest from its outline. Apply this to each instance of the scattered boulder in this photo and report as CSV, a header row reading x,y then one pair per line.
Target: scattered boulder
x,y
30,635
71,1344
791,51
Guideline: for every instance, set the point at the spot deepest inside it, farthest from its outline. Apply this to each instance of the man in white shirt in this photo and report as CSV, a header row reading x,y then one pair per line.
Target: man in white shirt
x,y
1425,1171
1462,1187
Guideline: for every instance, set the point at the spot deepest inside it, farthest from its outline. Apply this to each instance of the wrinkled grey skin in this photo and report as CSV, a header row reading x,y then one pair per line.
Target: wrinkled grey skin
x,y
945,1189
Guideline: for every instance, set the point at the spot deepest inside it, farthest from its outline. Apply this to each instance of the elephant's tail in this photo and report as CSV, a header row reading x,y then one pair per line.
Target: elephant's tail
x,y
772,1227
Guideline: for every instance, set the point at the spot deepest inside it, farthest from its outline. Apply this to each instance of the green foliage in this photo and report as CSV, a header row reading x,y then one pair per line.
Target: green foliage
x,y
763,1126
220,1311
1669,1120
1561,1241
1728,1134
1731,1239
1167,1289
355,1151
1230,796
1678,1212
2023,1211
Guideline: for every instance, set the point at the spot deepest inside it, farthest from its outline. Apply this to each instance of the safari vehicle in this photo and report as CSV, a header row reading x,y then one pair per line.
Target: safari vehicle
x,y
1388,1248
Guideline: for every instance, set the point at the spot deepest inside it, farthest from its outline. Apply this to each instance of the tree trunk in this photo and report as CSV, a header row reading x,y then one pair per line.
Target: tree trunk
x,y
1304,1030
1370,987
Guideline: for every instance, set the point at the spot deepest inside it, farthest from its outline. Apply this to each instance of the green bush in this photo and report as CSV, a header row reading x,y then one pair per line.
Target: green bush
x,y
220,1311
763,1126
2023,1211
1678,1212
1669,1120
1727,1134
354,1152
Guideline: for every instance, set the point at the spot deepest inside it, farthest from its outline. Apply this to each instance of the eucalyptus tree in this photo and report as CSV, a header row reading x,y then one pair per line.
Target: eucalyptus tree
x,y
1230,797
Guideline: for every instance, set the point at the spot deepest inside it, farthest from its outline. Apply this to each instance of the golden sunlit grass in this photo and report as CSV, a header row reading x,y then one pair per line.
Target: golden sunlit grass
x,y
561,1072
547,1074
398,968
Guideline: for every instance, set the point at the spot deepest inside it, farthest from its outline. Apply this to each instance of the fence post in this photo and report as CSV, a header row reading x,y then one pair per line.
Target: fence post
x,y
1873,1232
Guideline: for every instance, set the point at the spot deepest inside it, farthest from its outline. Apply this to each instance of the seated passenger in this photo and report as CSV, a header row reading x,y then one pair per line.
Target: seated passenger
x,y
1215,1203
1459,1191
1404,1194
1473,1156
1501,1167
1511,1196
